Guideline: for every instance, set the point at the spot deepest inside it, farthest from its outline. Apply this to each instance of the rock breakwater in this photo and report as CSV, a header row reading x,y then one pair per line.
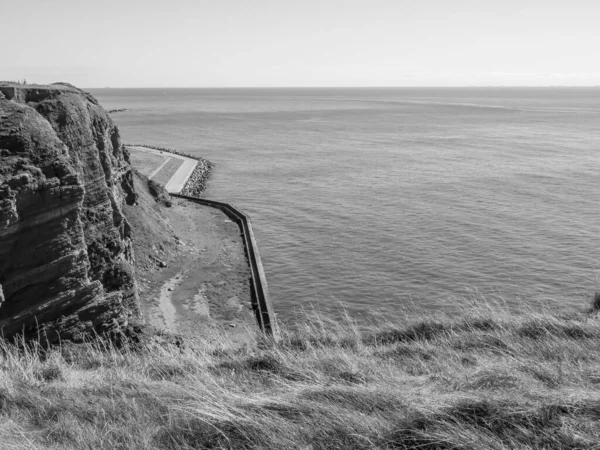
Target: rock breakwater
x,y
196,184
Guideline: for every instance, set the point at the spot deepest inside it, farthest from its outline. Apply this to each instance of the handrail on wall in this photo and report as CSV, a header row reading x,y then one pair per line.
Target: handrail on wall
x,y
261,303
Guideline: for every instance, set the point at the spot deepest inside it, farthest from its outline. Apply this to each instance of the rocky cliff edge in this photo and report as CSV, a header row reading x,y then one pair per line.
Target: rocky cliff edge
x,y
66,257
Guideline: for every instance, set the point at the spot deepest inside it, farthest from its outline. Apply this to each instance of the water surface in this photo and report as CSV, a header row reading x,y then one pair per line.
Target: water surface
x,y
377,198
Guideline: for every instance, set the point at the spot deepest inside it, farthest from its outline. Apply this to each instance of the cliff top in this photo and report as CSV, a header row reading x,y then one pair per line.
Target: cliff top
x,y
54,86
12,90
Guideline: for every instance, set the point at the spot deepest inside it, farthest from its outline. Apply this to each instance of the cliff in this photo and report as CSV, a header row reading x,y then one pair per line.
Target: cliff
x,y
66,258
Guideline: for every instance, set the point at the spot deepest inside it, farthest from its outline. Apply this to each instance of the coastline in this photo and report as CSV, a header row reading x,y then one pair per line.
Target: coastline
x,y
486,379
192,272
161,170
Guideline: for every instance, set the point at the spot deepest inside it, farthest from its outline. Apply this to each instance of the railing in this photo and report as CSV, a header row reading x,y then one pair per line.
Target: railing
x,y
261,304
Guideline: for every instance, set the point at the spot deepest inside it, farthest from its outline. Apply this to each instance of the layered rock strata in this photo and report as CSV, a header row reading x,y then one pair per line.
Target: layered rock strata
x,y
66,258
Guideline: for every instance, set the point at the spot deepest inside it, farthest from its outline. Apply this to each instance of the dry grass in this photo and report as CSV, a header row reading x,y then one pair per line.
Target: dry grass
x,y
145,162
488,380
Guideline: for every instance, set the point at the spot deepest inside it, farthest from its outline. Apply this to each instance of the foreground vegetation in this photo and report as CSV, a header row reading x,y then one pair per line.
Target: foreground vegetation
x,y
487,380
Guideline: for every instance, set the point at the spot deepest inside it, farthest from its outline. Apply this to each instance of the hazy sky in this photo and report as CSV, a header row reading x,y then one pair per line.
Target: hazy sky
x,y
196,43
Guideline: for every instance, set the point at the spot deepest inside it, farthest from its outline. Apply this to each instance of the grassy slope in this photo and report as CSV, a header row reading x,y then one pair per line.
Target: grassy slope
x,y
487,380
154,238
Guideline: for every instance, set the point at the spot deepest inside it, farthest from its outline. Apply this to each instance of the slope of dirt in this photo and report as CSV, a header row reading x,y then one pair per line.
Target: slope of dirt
x,y
192,270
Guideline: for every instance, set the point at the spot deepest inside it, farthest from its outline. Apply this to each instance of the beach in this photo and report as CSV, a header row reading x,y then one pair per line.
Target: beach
x,y
190,260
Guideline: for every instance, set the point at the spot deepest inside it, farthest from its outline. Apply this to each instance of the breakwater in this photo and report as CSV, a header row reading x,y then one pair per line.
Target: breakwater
x,y
261,303
196,183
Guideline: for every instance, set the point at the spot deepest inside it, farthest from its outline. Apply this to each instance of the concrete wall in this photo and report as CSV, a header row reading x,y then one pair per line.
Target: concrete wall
x,y
261,303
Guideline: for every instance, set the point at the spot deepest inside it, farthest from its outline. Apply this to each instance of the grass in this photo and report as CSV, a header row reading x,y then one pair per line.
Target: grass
x,y
487,380
146,162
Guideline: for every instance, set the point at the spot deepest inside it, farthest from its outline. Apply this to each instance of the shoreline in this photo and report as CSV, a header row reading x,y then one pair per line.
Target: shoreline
x,y
191,268
192,187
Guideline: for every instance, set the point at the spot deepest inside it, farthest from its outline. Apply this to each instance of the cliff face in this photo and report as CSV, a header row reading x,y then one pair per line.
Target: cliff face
x,y
66,258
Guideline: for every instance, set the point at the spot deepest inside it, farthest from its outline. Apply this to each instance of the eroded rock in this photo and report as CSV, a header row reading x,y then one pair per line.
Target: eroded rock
x,y
66,257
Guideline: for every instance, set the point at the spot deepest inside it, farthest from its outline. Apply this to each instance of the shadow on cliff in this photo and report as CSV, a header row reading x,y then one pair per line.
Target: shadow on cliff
x,y
66,255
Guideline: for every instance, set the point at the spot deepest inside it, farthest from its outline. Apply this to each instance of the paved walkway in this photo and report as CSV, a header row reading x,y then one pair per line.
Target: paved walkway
x,y
173,172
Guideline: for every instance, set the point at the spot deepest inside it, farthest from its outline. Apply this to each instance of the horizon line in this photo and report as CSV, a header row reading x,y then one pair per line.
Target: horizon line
x,y
353,87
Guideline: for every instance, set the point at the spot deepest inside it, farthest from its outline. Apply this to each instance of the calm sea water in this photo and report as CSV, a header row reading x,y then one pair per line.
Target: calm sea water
x,y
377,198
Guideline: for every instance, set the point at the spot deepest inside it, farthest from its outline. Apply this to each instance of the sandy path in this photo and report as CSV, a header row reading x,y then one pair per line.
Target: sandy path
x,y
166,309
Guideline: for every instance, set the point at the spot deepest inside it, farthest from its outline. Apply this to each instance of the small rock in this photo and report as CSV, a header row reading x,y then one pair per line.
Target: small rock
x,y
232,325
162,264
170,289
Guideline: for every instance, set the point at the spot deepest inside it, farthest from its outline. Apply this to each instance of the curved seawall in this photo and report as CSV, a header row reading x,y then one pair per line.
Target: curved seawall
x,y
261,303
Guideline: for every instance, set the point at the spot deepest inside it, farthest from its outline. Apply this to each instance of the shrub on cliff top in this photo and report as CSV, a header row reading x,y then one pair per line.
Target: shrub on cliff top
x,y
159,193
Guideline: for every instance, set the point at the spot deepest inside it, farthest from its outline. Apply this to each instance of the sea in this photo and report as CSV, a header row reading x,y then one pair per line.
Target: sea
x,y
376,201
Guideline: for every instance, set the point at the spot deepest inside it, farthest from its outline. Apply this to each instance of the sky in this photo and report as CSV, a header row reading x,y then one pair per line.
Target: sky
x,y
281,43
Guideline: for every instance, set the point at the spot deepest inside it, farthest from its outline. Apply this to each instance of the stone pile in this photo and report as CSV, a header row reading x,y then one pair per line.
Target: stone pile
x,y
196,184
